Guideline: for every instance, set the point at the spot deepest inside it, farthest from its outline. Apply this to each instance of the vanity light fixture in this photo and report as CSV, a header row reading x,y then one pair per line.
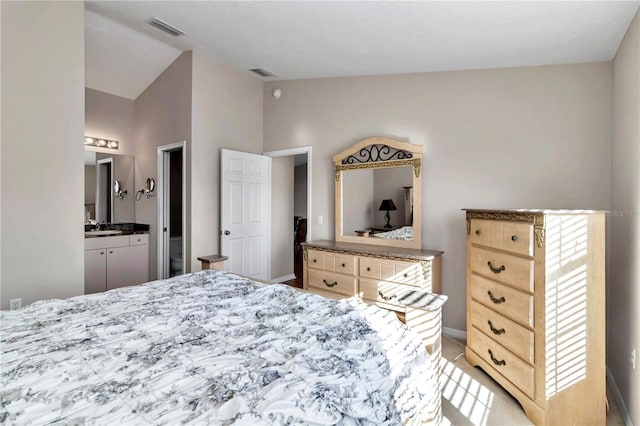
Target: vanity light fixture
x,y
100,142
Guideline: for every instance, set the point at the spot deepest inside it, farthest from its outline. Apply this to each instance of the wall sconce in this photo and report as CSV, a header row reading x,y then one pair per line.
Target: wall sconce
x,y
117,190
100,143
149,188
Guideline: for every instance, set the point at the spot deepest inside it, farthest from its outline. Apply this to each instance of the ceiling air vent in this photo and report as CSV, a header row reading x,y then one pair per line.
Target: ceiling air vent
x,y
169,29
263,72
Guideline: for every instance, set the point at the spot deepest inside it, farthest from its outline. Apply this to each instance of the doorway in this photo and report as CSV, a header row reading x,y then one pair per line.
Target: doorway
x,y
297,227
171,210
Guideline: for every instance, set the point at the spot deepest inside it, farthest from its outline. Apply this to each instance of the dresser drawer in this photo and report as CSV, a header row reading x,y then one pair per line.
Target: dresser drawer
x,y
517,238
513,270
505,300
382,291
410,273
480,232
502,360
509,334
332,282
316,259
345,264
371,268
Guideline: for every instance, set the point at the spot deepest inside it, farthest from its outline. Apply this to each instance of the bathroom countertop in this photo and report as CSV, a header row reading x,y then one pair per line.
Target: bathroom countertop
x,y
127,228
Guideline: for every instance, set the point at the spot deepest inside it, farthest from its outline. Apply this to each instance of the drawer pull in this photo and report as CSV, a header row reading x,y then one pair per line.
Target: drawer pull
x,y
495,330
514,238
315,260
328,284
495,361
477,232
496,270
101,252
344,265
393,296
368,269
406,275
494,300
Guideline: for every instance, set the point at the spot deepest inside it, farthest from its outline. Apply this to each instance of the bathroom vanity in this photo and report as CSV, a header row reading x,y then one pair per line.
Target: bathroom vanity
x,y
116,257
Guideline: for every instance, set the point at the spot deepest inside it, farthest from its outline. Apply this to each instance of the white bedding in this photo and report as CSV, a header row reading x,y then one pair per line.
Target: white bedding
x,y
404,233
211,348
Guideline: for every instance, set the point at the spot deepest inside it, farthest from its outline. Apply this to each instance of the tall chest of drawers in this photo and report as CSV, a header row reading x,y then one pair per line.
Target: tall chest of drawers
x,y
536,309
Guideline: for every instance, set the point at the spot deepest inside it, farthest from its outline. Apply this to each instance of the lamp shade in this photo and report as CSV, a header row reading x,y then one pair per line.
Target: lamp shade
x,y
387,205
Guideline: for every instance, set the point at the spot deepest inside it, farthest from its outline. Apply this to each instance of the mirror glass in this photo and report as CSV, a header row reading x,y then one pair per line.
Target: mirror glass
x,y
101,171
363,191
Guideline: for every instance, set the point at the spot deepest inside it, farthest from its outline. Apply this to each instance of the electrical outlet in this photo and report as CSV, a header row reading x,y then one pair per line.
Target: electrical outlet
x,y
15,304
633,358
320,220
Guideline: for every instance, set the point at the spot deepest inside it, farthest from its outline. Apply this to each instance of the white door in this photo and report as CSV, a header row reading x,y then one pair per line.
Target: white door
x,y
245,213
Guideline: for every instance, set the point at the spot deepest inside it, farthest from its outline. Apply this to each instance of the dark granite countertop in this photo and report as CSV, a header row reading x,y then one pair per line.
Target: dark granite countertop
x,y
125,228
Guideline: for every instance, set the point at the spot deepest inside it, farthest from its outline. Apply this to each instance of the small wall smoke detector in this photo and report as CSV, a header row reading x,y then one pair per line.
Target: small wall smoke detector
x,y
276,93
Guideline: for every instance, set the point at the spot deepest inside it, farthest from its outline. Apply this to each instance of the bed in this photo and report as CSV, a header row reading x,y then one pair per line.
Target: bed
x,y
405,233
212,348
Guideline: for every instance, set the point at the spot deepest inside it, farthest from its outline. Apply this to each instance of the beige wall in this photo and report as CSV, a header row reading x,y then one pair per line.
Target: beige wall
x,y
227,113
536,137
42,182
111,117
162,117
282,190
624,223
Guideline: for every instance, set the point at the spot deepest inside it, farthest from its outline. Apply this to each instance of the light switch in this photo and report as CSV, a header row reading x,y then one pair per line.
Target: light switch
x,y
320,220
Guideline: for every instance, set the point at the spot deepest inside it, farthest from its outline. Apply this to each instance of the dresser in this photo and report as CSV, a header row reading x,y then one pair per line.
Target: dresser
x,y
536,309
396,279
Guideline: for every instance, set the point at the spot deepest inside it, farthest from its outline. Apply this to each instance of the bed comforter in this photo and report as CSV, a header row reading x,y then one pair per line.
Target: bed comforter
x,y
211,348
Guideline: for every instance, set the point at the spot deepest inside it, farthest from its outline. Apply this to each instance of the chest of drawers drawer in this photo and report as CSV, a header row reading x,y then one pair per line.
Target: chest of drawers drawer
x,y
508,236
507,301
513,270
332,282
503,361
509,334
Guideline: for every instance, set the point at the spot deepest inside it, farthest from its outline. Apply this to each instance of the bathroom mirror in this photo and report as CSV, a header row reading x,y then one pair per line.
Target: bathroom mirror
x,y
376,177
102,171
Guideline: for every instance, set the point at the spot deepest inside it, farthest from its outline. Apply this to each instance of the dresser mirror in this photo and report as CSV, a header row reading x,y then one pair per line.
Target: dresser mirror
x,y
103,203
378,193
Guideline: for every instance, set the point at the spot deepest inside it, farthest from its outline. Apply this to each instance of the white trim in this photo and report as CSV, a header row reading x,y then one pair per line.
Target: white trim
x,y
452,332
282,279
622,407
160,205
295,151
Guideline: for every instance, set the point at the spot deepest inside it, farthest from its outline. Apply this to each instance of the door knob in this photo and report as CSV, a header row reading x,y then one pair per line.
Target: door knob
x,y
227,232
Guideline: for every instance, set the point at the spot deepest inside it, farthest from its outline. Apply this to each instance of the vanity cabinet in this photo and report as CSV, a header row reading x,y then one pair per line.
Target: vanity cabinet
x,y
113,262
536,309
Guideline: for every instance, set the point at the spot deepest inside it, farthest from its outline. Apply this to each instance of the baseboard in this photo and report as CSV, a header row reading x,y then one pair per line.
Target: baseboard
x,y
452,332
618,396
283,279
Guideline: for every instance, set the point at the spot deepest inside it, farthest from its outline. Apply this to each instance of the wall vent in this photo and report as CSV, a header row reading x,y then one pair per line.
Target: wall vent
x,y
263,72
167,28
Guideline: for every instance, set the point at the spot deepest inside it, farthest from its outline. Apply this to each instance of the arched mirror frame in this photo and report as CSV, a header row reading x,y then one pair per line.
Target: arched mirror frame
x,y
401,154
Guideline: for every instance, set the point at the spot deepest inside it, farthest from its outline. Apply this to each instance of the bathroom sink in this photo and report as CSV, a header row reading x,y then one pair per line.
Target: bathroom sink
x,y
101,233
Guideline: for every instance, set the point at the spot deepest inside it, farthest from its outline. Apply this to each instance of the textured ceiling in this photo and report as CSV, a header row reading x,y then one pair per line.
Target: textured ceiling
x,y
311,39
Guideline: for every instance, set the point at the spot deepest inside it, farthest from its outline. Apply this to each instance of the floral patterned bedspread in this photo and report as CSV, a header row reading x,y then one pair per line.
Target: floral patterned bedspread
x,y
404,233
210,348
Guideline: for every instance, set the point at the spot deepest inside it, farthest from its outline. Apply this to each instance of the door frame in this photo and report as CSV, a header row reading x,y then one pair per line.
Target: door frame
x,y
161,244
295,151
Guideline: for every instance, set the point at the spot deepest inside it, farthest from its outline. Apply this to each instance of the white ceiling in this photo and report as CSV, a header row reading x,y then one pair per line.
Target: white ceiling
x,y
311,39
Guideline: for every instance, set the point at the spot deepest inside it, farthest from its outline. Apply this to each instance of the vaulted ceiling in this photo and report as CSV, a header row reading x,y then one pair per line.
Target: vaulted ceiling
x,y
312,39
